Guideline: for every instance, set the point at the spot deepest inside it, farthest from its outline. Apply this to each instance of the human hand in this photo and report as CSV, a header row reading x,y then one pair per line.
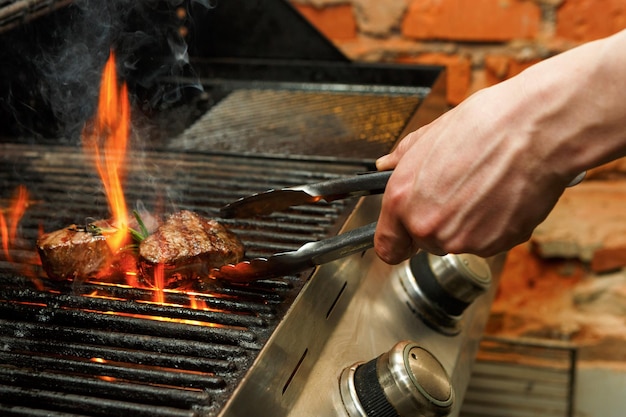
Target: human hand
x,y
473,181
481,177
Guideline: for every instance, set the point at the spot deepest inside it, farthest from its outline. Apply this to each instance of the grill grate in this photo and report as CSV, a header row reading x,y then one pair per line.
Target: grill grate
x,y
14,13
291,122
96,349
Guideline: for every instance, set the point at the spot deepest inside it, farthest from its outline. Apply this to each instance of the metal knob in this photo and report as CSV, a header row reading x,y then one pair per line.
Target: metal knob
x,y
407,381
440,288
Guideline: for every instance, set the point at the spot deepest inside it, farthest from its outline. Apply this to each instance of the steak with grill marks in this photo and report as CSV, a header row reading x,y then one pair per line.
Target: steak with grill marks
x,y
75,252
188,246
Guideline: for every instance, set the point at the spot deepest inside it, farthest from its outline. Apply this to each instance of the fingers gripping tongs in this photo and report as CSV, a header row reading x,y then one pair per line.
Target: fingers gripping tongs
x,y
312,253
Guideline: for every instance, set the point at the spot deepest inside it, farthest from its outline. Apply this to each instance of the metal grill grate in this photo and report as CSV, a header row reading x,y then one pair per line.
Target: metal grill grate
x,y
14,13
291,122
101,349
521,378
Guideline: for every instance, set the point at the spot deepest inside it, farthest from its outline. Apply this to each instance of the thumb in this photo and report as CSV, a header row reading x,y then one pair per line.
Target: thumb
x,y
389,161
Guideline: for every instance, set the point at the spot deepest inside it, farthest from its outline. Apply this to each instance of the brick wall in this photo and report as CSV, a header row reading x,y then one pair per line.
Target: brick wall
x,y
481,42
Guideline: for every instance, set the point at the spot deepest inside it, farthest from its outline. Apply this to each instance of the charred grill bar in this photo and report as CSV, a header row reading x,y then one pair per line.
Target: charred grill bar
x,y
16,13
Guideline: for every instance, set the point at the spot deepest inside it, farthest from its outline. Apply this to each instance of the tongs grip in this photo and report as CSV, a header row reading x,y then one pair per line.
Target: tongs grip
x,y
353,186
345,244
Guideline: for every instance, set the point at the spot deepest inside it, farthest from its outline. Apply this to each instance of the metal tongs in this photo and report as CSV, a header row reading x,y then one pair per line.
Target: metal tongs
x,y
313,253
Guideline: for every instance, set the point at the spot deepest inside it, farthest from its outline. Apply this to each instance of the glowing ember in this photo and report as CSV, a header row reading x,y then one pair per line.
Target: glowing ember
x,y
106,139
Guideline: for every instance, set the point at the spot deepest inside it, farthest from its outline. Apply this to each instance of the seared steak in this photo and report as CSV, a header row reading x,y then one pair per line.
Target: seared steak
x,y
188,245
77,252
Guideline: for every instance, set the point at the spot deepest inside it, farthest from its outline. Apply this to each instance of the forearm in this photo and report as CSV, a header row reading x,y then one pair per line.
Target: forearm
x,y
580,114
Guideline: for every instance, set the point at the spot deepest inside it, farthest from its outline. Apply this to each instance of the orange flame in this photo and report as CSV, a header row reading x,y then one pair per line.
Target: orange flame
x,y
4,230
18,208
107,140
8,227
196,303
159,283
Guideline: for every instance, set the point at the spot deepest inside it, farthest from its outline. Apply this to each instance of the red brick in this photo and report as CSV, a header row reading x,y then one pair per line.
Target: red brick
x,y
335,22
472,20
529,283
608,259
587,218
458,68
587,20
501,67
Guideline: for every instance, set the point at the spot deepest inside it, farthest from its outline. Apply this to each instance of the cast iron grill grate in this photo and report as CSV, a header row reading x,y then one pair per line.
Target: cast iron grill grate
x,y
101,349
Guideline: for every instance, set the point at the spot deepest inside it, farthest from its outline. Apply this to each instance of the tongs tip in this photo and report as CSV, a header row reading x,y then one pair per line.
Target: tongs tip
x,y
242,272
266,202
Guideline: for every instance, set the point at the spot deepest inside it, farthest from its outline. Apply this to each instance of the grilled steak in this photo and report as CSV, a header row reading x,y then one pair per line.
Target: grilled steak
x,y
188,245
77,252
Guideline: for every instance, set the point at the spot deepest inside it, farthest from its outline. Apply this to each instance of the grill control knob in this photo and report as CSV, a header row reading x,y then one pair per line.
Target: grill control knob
x,y
407,381
440,288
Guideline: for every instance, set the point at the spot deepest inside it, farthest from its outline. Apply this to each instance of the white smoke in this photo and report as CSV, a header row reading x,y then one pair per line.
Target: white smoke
x,y
148,42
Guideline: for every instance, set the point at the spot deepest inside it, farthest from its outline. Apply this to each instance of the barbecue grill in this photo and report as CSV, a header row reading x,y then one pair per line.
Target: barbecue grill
x,y
273,104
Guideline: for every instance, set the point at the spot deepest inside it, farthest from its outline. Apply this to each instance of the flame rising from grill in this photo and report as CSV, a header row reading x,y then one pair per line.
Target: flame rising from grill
x,y
9,227
106,139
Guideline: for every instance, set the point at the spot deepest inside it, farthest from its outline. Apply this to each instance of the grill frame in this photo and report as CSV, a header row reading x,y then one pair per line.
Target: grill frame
x,y
14,14
526,376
